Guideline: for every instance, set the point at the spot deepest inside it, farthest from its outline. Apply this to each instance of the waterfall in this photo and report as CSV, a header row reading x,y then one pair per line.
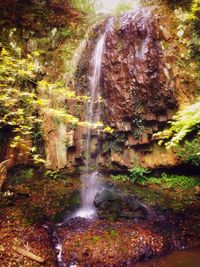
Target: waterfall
x,y
90,179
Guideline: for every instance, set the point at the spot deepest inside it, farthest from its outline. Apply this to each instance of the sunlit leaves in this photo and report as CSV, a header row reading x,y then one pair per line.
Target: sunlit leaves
x,y
184,122
21,103
57,89
108,129
61,114
53,99
17,97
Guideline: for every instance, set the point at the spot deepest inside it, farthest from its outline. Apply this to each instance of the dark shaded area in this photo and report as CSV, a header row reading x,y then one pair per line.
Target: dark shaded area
x,y
38,16
179,3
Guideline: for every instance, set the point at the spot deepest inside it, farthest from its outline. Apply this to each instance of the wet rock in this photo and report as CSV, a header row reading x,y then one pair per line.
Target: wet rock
x,y
107,195
127,215
108,202
113,205
133,202
134,75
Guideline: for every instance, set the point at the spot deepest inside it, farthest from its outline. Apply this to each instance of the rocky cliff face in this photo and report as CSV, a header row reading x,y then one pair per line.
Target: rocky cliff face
x,y
141,90
38,16
139,95
135,80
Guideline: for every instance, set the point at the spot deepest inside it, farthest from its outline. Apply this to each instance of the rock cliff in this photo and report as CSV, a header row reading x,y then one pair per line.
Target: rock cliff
x,y
139,87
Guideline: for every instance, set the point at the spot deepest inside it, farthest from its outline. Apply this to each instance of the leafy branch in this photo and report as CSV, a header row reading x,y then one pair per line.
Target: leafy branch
x,y
184,122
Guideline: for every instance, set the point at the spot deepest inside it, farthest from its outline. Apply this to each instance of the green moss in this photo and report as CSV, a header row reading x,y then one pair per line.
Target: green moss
x,y
118,143
120,178
174,181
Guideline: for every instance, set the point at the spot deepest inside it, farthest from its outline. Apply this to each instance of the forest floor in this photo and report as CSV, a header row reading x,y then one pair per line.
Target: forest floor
x,y
33,202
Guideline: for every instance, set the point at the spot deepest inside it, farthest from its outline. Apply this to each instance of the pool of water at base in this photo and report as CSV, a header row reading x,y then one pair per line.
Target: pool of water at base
x,y
187,258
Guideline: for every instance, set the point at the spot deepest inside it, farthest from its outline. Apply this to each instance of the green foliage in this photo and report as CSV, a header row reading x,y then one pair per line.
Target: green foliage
x,y
22,176
195,49
20,104
95,239
65,32
114,233
17,97
118,142
194,19
173,181
53,101
16,105
138,174
194,15
120,178
54,175
190,151
184,122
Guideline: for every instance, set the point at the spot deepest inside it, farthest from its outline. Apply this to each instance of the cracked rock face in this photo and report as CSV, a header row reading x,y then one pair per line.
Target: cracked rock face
x,y
135,80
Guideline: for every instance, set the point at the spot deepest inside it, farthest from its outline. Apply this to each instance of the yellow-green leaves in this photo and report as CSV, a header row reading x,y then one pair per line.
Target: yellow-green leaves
x,y
184,122
108,129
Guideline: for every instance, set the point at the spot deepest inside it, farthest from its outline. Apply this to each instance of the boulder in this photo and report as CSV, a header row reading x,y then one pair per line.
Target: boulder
x,y
108,203
107,195
114,205
132,202
127,215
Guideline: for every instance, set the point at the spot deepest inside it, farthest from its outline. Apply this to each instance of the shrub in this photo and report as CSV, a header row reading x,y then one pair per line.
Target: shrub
x,y
194,15
184,122
138,174
190,151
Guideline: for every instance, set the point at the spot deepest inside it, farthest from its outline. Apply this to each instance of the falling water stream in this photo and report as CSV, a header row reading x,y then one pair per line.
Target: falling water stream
x,y
90,181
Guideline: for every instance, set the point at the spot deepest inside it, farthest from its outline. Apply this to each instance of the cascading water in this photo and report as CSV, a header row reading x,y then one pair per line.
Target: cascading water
x,y
90,182
90,179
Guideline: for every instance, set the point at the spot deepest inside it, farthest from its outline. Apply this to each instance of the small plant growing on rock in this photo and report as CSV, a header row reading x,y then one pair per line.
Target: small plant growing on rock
x,y
138,173
173,181
120,178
